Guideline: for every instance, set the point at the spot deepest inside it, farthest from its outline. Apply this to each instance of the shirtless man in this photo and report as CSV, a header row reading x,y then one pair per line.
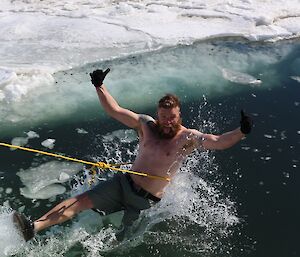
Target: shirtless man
x,y
163,144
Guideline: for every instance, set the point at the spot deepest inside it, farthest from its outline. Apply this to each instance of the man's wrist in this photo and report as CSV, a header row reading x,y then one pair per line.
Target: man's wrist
x,y
242,133
99,86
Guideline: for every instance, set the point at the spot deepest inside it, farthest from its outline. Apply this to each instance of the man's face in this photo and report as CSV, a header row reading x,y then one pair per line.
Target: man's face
x,y
169,121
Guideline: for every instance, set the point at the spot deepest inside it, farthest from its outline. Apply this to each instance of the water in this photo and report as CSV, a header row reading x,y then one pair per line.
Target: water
x,y
238,202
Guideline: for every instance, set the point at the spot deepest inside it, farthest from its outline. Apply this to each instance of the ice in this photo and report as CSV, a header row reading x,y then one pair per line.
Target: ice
x,y
62,35
124,135
24,81
32,134
41,182
81,131
297,78
19,141
41,41
8,190
239,77
49,143
44,193
22,141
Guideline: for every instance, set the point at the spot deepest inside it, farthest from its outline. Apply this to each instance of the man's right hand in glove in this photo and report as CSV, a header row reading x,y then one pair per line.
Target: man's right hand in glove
x,y
97,77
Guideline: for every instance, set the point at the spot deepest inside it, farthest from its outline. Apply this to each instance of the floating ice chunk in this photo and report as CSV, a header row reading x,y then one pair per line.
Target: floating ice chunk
x,y
8,190
297,78
32,134
239,77
49,143
81,131
47,174
124,135
19,141
45,193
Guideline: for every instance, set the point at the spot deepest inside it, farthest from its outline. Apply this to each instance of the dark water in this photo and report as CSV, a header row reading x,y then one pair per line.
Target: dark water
x,y
261,174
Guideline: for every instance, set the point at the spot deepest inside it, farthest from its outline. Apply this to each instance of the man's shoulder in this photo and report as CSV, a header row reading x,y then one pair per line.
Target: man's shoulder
x,y
193,134
191,131
144,118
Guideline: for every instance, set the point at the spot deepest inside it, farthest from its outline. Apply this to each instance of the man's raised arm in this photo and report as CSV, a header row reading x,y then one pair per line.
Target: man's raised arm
x,y
226,140
110,105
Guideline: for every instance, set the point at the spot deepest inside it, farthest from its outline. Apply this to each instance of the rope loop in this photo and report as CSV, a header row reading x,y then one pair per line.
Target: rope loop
x,y
103,165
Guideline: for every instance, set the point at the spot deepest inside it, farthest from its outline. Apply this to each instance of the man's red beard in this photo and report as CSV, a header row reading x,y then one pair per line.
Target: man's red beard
x,y
173,130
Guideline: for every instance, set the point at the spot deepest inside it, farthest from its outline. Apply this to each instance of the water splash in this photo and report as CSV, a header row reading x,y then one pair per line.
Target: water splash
x,y
10,239
193,211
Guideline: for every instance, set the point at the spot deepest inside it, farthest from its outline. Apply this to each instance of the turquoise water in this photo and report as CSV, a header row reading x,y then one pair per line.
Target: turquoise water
x,y
238,202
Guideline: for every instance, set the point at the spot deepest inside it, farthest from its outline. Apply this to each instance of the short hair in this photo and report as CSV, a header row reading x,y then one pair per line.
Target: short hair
x,y
169,101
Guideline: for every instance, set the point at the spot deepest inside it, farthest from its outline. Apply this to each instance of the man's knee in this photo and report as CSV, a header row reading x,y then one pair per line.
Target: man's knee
x,y
83,202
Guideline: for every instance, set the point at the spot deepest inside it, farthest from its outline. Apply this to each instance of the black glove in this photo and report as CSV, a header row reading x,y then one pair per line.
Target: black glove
x,y
97,77
246,123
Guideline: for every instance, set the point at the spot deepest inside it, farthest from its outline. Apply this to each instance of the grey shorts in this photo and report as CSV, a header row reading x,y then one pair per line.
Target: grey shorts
x,y
118,194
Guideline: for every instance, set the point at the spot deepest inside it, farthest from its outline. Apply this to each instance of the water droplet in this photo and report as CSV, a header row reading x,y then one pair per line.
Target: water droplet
x,y
268,136
286,174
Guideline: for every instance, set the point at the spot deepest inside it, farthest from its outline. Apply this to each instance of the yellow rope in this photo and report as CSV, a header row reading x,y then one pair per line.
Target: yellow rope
x,y
101,165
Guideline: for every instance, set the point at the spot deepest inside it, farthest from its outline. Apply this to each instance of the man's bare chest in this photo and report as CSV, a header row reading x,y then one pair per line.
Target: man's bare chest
x,y
163,148
155,146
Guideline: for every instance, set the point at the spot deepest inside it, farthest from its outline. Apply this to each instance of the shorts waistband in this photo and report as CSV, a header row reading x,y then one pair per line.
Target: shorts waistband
x,y
140,191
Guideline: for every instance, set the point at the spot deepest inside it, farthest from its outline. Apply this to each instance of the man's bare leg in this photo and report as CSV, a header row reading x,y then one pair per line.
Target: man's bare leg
x,y
63,212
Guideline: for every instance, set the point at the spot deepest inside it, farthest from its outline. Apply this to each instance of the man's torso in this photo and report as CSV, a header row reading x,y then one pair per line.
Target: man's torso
x,y
159,157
